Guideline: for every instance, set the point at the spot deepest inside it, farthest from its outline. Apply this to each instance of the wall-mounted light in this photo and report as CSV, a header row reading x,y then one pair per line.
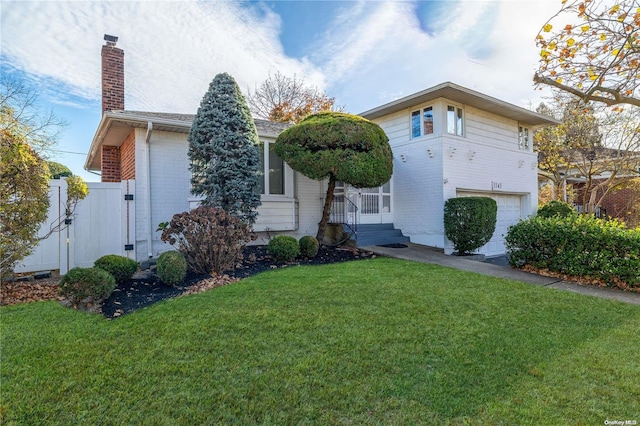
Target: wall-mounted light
x,y
471,154
403,157
452,151
430,152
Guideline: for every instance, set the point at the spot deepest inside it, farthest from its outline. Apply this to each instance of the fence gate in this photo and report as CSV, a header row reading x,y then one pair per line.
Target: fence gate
x,y
102,224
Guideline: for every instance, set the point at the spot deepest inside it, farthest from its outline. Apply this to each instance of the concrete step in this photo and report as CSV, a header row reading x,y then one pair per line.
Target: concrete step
x,y
377,234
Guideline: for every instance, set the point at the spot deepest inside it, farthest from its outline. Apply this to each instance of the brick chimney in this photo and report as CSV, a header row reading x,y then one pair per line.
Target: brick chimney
x,y
112,75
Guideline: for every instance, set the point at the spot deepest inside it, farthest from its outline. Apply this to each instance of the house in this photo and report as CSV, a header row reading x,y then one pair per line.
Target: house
x,y
601,181
448,141
451,141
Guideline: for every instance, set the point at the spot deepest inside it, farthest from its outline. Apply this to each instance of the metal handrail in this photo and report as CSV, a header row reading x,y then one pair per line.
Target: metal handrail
x,y
345,212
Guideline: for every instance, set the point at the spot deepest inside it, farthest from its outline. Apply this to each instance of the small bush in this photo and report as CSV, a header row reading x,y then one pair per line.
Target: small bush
x,y
210,239
578,245
469,222
283,248
172,267
120,267
308,246
94,284
556,208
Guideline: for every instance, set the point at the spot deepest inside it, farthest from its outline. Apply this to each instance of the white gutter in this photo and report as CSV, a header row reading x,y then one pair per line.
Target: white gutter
x,y
147,157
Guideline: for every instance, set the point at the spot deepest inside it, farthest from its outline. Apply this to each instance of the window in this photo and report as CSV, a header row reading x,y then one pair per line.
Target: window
x,y
422,122
272,174
523,137
454,120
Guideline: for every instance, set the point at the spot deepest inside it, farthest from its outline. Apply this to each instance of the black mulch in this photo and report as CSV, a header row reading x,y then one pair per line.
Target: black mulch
x,y
136,294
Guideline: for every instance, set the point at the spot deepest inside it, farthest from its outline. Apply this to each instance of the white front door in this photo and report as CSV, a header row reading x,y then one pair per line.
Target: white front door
x,y
374,204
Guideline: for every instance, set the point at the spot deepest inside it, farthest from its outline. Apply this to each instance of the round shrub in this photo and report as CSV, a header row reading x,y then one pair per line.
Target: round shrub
x,y
94,284
555,208
308,246
283,248
171,267
122,268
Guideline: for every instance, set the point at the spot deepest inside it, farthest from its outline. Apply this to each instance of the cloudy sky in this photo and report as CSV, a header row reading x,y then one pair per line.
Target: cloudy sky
x,y
364,53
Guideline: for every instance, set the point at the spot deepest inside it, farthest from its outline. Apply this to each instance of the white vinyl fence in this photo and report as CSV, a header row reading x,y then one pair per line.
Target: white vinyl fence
x,y
103,223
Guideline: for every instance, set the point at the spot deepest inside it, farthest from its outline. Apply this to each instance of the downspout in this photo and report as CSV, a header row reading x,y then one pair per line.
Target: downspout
x,y
147,156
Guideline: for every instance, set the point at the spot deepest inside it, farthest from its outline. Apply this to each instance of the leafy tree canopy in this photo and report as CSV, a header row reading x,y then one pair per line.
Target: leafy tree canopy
x,y
24,200
591,49
594,144
288,100
57,170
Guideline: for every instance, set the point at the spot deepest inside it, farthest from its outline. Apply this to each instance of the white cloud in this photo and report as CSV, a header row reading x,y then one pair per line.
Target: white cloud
x,y
379,52
172,49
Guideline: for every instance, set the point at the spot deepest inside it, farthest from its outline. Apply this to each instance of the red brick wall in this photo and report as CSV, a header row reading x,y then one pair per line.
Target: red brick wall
x,y
110,164
128,157
617,204
112,78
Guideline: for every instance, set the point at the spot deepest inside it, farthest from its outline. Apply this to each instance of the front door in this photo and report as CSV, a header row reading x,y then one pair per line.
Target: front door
x,y
374,204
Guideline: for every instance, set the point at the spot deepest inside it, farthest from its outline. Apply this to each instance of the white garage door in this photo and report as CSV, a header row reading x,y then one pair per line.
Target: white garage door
x,y
509,213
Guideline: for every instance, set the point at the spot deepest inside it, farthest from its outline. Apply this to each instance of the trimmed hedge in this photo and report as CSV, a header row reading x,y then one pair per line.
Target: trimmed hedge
x,y
283,248
580,246
171,267
469,222
122,268
94,284
308,246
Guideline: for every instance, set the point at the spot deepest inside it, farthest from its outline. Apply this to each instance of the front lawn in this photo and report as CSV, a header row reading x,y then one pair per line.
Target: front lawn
x,y
379,341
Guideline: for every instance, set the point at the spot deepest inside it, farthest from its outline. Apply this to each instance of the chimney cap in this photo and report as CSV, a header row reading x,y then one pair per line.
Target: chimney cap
x,y
111,40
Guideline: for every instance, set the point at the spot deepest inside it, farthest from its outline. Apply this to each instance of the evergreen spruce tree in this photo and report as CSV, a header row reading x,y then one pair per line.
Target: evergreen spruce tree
x,y
224,151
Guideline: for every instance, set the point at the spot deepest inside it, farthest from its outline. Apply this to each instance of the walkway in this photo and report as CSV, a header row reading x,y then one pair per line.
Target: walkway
x,y
424,254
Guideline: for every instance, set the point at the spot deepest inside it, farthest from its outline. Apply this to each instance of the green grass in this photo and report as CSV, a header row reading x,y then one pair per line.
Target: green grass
x,y
379,341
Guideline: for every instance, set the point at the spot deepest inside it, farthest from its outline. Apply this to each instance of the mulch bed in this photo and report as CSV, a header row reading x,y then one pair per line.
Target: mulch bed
x,y
136,294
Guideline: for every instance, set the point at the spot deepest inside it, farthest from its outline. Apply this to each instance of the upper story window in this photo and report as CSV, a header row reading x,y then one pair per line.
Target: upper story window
x,y
272,171
422,122
455,124
523,137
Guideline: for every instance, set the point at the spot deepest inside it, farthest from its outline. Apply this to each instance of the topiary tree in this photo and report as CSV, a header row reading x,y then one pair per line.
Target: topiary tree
x,y
24,199
340,147
469,222
224,152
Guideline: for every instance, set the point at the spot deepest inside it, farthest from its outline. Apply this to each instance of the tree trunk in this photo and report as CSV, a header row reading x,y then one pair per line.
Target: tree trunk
x,y
322,226
606,187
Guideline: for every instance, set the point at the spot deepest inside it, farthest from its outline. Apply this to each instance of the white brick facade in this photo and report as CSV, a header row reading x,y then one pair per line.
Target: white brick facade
x,y
428,170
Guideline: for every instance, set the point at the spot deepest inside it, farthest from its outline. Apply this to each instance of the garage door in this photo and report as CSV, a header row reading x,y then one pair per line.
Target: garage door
x,y
509,213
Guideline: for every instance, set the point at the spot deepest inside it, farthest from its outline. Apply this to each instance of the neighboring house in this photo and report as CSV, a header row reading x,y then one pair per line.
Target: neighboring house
x,y
447,141
589,172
